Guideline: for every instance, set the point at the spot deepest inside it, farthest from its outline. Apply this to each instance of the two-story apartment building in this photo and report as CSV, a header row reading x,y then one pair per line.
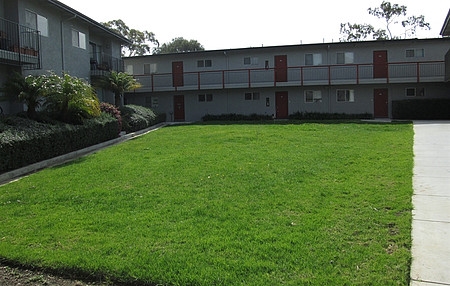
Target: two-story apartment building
x,y
37,36
343,77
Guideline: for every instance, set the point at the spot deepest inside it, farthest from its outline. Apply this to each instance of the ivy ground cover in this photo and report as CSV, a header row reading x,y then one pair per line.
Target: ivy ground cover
x,y
277,204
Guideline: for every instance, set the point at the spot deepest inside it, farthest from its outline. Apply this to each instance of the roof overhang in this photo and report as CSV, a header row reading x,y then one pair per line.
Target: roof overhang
x,y
88,20
445,31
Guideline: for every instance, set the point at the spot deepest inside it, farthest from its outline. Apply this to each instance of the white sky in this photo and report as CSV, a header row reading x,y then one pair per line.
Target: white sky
x,y
230,24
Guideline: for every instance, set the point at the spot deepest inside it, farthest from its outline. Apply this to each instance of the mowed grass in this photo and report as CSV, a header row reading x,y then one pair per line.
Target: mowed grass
x,y
309,204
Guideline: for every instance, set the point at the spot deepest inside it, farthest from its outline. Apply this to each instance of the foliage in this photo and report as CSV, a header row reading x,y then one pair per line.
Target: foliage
x,y
328,116
135,117
118,83
424,109
236,117
179,45
24,141
28,90
114,111
309,204
390,13
141,40
70,99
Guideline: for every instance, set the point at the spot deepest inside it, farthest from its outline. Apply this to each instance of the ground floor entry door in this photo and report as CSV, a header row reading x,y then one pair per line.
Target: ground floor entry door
x,y
380,103
281,105
178,108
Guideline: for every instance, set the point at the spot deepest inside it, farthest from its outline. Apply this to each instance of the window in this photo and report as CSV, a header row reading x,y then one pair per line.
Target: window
x,y
313,96
252,96
345,95
36,22
250,61
415,92
344,58
129,69
313,59
155,102
204,63
78,39
205,97
150,68
415,53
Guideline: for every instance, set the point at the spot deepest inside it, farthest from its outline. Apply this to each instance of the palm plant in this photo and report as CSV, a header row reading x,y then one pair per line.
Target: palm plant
x,y
118,83
29,90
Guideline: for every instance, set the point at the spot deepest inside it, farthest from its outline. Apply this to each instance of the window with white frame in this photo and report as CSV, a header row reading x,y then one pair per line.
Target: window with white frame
x,y
78,39
345,95
313,59
204,63
36,22
205,97
415,53
251,61
150,68
344,58
412,91
312,96
252,96
129,69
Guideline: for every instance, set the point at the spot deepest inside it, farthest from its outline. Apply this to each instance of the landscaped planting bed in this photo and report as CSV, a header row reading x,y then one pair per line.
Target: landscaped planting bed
x,y
294,204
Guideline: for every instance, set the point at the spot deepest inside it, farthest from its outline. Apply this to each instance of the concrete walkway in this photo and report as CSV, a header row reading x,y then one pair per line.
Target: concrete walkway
x,y
431,203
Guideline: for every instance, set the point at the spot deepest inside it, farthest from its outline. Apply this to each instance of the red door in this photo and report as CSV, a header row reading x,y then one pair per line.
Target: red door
x,y
281,68
177,74
281,104
380,64
380,103
178,108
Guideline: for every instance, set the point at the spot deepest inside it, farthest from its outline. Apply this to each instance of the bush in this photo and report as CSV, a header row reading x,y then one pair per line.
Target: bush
x,y
24,142
114,111
236,117
135,117
424,109
328,116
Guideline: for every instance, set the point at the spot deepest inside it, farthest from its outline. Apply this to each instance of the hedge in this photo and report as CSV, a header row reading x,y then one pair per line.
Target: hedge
x,y
424,109
24,141
136,117
236,117
328,116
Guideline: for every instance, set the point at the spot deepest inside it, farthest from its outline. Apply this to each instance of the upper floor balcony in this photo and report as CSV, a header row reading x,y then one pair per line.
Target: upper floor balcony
x,y
19,45
102,63
401,72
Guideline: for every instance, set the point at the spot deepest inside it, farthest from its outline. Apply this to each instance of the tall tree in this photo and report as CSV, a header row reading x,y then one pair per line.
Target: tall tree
x,y
179,45
391,14
142,41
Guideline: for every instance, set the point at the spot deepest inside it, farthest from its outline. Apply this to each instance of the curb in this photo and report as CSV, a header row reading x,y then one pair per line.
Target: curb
x,y
15,174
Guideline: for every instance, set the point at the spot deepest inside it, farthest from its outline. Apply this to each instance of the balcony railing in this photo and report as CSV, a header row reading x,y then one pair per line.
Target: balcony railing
x,y
410,72
102,64
19,45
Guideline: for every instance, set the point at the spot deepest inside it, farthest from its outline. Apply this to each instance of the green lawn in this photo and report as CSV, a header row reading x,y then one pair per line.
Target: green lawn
x,y
277,204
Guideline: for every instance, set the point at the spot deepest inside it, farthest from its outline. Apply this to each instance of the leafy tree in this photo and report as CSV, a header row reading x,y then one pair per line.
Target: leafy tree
x,y
29,90
179,45
391,14
141,40
70,99
118,83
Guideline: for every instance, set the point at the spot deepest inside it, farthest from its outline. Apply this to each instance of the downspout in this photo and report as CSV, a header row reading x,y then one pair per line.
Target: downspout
x,y
63,64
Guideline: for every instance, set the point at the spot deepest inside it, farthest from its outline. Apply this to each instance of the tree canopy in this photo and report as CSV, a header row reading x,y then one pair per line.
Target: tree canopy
x,y
391,14
142,41
179,45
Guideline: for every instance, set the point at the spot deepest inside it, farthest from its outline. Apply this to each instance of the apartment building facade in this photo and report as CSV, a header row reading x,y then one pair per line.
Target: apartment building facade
x,y
344,77
37,36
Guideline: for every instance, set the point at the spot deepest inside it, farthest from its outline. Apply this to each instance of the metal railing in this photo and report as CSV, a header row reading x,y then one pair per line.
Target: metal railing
x,y
102,63
407,72
19,45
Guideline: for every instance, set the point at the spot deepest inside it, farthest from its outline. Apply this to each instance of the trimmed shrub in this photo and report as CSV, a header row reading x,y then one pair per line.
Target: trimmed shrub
x,y
24,142
328,116
424,109
135,117
236,117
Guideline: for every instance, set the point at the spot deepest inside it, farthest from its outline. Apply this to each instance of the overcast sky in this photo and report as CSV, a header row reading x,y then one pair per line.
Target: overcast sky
x,y
232,24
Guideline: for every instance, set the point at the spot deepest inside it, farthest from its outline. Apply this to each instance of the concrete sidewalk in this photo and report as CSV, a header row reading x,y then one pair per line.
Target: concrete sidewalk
x,y
431,203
